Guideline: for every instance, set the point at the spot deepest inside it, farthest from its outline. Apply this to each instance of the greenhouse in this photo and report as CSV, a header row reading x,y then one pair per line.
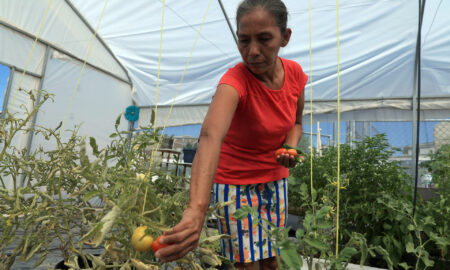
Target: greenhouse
x,y
102,104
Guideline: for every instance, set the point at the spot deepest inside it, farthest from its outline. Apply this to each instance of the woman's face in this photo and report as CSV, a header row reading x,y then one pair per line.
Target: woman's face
x,y
259,40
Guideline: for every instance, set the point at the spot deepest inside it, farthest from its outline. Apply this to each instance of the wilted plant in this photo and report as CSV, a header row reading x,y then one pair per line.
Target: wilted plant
x,y
84,195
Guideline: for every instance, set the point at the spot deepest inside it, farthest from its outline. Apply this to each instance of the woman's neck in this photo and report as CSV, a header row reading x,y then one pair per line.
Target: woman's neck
x,y
274,79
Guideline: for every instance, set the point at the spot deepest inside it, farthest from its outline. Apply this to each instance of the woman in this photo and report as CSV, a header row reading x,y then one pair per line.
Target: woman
x,y
257,107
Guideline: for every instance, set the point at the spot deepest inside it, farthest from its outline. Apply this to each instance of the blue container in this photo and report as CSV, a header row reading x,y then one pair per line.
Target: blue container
x,y
188,155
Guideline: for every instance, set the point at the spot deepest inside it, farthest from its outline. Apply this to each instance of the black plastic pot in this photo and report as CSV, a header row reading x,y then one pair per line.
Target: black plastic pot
x,y
188,155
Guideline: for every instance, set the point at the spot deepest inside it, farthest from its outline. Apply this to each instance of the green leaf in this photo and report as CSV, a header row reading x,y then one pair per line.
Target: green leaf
x,y
242,212
291,258
152,118
316,243
405,266
324,225
307,222
323,211
347,253
427,261
386,256
410,247
314,194
118,121
299,234
94,146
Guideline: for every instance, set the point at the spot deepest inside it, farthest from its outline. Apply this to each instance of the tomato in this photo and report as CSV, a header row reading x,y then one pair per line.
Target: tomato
x,y
280,151
301,158
157,244
141,242
292,152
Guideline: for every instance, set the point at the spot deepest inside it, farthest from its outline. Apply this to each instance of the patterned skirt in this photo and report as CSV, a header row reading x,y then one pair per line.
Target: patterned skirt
x,y
250,242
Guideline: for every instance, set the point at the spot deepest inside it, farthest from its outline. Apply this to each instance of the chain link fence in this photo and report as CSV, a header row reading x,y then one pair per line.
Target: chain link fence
x,y
400,135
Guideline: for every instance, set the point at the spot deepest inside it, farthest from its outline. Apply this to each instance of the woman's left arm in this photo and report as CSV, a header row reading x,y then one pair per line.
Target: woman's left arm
x,y
295,134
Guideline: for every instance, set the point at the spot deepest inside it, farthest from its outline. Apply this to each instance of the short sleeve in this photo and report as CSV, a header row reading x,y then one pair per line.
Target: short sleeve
x,y
235,77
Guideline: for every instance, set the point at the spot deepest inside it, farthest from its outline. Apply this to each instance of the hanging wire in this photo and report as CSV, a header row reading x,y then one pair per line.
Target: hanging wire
x,y
176,95
41,25
339,130
83,67
156,101
184,71
310,106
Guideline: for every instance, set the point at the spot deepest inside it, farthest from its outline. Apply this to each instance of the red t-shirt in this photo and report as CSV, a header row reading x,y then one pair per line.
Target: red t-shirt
x,y
259,126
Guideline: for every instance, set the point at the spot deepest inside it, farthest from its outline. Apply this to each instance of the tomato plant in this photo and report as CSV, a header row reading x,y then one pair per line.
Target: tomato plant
x,y
97,196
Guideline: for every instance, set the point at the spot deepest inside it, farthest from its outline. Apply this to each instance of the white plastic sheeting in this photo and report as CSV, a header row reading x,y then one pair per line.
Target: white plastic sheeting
x,y
96,104
30,29
62,27
377,50
16,48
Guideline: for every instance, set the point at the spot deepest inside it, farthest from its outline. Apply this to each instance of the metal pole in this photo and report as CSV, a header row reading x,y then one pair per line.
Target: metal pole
x,y
34,118
228,22
7,92
98,38
56,48
418,66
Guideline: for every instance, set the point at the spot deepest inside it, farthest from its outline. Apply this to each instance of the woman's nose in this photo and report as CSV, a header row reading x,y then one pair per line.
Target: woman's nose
x,y
253,49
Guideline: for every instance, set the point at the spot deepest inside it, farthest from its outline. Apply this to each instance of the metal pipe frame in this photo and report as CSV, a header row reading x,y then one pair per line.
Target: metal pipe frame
x,y
56,48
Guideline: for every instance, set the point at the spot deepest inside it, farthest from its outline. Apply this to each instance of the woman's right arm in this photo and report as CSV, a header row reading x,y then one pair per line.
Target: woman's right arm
x,y
184,236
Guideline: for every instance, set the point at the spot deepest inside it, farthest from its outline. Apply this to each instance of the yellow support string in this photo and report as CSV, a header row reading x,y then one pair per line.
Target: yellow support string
x,y
176,93
310,100
184,71
156,100
339,132
157,83
82,68
41,25
311,115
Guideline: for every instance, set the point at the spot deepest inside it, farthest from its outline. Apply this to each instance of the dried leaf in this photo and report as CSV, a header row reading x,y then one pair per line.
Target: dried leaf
x,y
215,238
99,231
142,266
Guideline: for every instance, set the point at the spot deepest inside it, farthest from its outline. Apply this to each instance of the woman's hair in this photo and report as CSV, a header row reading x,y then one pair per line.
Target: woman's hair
x,y
274,7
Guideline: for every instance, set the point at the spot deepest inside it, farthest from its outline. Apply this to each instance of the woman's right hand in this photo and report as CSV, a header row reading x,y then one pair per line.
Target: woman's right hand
x,y
183,237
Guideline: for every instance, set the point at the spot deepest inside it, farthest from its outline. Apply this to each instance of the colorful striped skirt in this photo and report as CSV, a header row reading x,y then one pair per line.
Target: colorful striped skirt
x,y
250,242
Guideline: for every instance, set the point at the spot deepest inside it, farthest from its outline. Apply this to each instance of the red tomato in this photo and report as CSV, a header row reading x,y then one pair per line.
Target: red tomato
x,y
280,151
156,245
302,158
292,152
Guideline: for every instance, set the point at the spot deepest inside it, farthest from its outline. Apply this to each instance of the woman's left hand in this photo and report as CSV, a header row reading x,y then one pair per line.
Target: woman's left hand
x,y
286,160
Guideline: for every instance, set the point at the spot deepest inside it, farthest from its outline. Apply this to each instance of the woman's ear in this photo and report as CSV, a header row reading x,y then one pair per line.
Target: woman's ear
x,y
286,37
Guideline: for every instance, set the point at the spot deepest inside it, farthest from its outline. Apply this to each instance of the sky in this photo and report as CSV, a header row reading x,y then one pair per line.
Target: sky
x,y
4,75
